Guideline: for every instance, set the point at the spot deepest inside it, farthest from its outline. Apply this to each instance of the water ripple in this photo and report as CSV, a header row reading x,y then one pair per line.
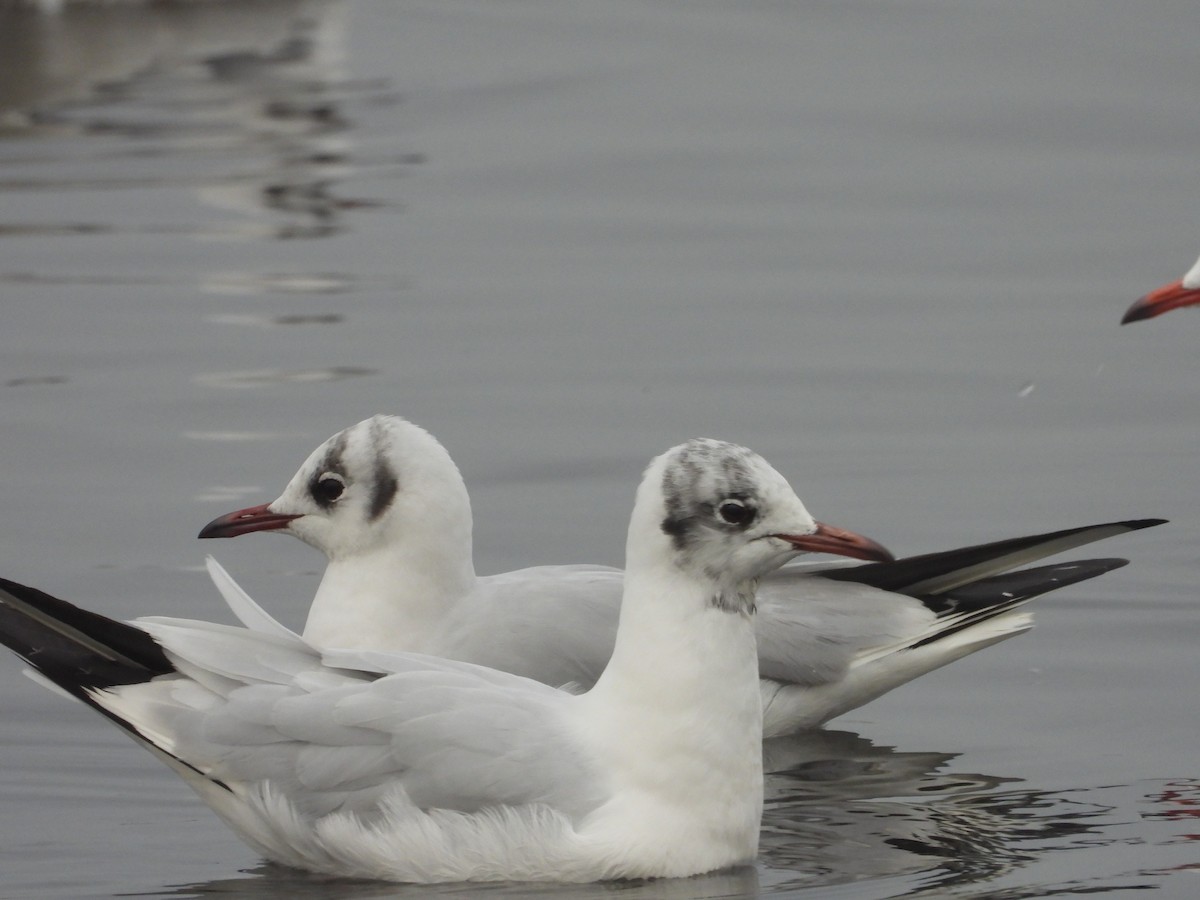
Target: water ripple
x,y
267,321
263,377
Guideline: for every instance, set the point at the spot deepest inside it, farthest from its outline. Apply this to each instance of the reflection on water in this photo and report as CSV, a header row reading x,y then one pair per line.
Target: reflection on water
x,y
270,881
265,321
870,812
234,106
1178,801
243,284
35,379
842,809
85,51
186,83
281,376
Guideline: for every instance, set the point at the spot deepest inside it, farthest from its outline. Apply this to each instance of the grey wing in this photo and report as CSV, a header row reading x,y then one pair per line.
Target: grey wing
x,y
557,624
887,606
261,708
554,624
811,629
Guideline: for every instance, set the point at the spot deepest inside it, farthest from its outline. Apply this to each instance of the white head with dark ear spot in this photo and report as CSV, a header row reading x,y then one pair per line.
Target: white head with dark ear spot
x,y
719,512
381,483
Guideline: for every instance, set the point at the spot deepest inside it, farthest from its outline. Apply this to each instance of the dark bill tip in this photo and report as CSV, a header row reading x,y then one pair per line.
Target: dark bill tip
x,y
244,521
1166,298
840,542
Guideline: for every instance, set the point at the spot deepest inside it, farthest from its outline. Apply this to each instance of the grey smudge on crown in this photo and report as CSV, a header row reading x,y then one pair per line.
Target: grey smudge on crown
x,y
333,456
701,472
385,483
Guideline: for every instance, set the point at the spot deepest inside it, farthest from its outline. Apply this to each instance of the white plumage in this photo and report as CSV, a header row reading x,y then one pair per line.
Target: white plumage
x,y
415,768
386,504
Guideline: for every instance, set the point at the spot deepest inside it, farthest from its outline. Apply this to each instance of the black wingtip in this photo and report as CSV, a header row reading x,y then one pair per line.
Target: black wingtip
x,y
73,647
914,575
971,604
1135,524
1011,589
82,651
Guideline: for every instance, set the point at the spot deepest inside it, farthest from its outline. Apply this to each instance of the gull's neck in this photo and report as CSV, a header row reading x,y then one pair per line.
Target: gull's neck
x,y
677,716
391,598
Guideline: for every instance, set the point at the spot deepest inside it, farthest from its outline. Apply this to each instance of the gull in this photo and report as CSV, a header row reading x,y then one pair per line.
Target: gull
x,y
1184,292
385,503
412,768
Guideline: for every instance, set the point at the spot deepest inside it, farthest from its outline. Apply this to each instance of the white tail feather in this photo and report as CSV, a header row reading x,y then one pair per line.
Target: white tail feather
x,y
242,604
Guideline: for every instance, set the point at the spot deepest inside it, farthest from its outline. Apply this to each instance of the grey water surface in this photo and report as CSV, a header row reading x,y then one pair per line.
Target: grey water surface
x,y
886,244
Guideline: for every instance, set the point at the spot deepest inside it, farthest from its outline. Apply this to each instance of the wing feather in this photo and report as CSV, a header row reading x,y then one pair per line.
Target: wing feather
x,y
242,604
251,707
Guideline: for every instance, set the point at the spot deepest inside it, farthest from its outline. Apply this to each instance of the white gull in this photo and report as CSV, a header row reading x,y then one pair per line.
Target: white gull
x,y
412,768
386,504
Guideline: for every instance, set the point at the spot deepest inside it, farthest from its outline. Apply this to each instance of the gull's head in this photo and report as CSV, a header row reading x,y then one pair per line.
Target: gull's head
x,y
381,482
720,512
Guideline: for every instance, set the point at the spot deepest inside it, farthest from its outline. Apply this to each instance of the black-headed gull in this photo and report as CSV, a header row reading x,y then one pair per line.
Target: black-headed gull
x,y
1184,292
413,768
386,504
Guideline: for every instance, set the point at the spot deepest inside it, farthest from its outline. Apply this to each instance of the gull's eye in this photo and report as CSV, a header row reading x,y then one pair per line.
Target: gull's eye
x,y
735,512
328,488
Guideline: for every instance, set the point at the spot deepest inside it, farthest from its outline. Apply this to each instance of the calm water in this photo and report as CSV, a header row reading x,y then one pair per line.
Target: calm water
x,y
885,244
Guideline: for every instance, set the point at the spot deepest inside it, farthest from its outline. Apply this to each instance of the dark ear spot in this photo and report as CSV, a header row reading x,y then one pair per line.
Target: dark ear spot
x,y
674,527
385,487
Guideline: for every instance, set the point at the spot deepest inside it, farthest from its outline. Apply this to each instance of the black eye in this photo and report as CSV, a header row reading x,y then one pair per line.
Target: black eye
x,y
735,512
328,488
